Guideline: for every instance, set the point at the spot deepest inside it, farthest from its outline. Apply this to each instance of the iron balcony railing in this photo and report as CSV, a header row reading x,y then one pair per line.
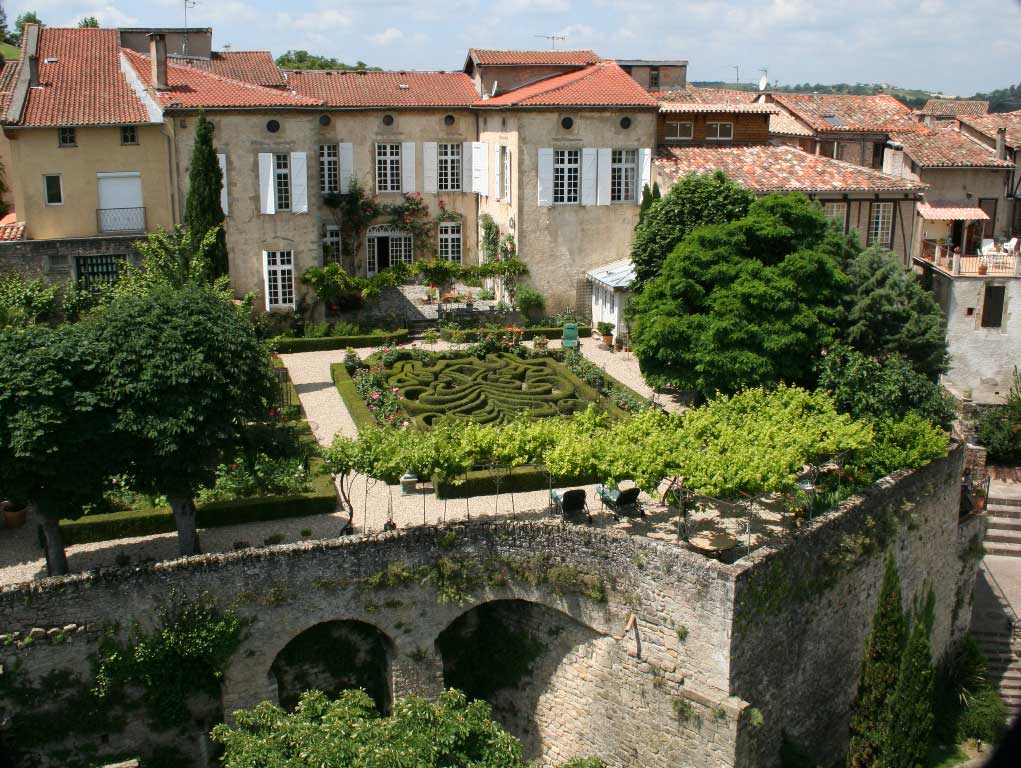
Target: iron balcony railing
x,y
120,219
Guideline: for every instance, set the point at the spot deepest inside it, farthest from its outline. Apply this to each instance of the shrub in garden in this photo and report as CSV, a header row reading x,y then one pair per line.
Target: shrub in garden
x,y
26,300
999,429
529,301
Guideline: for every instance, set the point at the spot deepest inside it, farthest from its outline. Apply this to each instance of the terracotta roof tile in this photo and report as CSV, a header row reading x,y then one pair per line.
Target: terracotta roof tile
x,y
601,85
784,124
989,124
834,113
941,211
723,95
82,82
954,107
719,107
11,228
191,87
489,57
8,76
384,89
685,95
779,169
946,148
250,66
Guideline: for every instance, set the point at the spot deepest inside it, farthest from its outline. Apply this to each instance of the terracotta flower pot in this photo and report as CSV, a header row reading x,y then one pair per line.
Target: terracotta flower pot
x,y
608,340
982,269
14,517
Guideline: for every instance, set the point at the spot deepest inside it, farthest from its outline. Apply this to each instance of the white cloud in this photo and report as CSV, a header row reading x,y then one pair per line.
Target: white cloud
x,y
387,36
517,7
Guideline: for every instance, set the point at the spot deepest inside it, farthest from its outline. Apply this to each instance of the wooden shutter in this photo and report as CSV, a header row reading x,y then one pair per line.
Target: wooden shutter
x,y
299,182
589,166
466,166
267,185
347,166
221,159
992,306
508,176
407,166
605,163
480,168
545,176
497,172
430,183
644,170
265,272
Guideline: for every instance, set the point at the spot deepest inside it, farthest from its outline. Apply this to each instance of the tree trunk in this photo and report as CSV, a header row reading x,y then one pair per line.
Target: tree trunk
x,y
184,519
56,557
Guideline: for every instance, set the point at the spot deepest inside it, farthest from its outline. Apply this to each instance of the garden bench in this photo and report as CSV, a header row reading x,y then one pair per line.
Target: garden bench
x,y
621,502
571,505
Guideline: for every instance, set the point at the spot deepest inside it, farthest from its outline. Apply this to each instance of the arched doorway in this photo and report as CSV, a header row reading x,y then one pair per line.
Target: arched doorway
x,y
332,657
386,246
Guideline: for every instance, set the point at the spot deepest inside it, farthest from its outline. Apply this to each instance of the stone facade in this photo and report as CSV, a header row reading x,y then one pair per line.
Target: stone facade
x,y
57,259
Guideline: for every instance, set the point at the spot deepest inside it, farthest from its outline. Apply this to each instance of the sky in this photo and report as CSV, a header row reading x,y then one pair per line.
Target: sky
x,y
952,46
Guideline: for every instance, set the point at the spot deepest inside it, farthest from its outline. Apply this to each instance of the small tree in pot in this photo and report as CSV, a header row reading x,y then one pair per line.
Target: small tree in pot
x,y
606,331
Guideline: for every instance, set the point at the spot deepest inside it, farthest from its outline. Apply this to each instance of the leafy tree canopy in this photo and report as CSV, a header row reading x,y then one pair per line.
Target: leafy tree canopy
x,y
746,303
89,22
306,60
29,17
695,200
448,733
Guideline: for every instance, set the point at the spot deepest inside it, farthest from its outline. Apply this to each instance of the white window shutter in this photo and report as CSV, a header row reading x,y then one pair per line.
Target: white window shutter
x,y
508,178
605,171
497,169
299,182
546,176
466,167
265,274
480,168
408,166
589,163
347,166
644,170
429,167
267,186
221,159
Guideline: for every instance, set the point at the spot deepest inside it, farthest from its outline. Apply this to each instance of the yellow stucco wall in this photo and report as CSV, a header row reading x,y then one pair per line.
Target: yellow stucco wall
x,y
35,154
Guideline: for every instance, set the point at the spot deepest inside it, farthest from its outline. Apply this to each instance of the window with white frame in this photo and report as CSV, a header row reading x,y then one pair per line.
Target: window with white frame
x,y
680,131
331,244
881,225
450,241
53,190
623,175
282,176
836,211
329,168
566,175
505,194
448,167
66,137
388,167
279,268
719,131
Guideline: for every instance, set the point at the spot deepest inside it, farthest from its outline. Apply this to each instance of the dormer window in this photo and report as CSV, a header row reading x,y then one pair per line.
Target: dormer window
x,y
719,131
66,137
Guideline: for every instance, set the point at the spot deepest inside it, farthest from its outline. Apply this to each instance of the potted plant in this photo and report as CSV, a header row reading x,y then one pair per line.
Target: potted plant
x,y
14,513
541,342
606,331
983,267
980,499
469,300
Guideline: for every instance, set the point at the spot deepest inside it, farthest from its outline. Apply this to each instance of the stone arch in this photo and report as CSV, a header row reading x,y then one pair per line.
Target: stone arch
x,y
521,656
333,656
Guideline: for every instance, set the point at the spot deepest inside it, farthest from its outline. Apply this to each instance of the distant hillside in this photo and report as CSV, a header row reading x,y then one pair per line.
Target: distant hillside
x,y
10,52
1003,99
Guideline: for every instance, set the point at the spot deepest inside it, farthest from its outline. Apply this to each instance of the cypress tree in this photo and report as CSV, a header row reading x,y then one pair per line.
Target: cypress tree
x,y
910,716
646,202
879,673
202,210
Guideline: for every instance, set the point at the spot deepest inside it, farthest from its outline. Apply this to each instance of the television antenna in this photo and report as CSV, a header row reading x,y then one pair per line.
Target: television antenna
x,y
737,73
553,39
187,4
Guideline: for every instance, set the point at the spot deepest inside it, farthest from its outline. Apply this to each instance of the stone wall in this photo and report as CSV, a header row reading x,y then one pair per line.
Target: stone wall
x,y
56,258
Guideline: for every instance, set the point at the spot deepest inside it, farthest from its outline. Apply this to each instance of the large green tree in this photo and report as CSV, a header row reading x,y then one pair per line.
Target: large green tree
x,y
202,209
29,17
911,716
889,312
184,370
879,673
695,200
55,425
745,303
450,732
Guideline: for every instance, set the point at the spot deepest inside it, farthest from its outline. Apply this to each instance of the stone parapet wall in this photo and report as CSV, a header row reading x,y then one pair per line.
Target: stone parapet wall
x,y
56,258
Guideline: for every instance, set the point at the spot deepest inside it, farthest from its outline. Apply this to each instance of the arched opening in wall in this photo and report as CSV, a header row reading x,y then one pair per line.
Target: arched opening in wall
x,y
520,657
332,657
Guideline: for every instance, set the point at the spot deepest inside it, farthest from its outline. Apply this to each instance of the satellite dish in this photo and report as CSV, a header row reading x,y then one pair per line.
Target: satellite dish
x,y
763,82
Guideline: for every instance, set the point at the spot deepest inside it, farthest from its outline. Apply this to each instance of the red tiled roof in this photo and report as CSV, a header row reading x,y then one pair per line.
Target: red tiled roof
x,y
839,113
723,95
488,57
191,88
954,107
989,124
951,212
384,89
84,85
601,85
779,169
946,148
719,107
250,66
680,96
8,76
784,124
11,228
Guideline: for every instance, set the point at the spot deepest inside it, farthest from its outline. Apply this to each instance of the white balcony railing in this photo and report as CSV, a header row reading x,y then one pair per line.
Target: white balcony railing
x,y
117,220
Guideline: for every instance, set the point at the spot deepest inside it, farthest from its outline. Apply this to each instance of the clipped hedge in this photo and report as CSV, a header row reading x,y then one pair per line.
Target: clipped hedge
x,y
359,411
284,345
482,482
470,335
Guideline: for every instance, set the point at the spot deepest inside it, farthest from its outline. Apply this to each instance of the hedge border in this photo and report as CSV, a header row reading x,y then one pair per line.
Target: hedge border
x,y
482,482
360,413
472,335
286,346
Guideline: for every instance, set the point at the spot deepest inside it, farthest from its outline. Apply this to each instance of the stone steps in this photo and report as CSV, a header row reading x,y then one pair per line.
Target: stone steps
x,y
1002,548
1005,511
1004,523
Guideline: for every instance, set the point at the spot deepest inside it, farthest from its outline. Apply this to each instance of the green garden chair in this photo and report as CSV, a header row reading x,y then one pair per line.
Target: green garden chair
x,y
570,339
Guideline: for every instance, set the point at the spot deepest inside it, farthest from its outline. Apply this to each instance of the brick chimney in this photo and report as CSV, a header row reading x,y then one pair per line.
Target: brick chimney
x,y
158,61
1001,143
33,71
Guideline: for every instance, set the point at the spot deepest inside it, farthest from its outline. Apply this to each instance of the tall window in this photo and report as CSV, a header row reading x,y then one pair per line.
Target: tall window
x,y
878,148
66,137
448,169
623,175
53,190
836,212
992,306
653,78
129,134
282,172
450,241
279,279
566,173
506,178
331,244
881,225
388,167
329,168
680,131
719,131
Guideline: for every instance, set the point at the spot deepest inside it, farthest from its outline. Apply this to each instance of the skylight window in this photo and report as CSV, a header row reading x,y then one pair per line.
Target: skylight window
x,y
833,120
